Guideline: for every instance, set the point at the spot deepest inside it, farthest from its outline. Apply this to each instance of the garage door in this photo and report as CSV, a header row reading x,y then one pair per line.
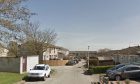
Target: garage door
x,y
31,62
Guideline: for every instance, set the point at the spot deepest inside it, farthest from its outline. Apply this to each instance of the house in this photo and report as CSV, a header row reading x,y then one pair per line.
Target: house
x,y
122,58
101,61
126,55
83,54
55,52
3,52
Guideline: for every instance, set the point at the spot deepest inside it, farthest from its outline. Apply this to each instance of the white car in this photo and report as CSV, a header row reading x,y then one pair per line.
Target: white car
x,y
40,71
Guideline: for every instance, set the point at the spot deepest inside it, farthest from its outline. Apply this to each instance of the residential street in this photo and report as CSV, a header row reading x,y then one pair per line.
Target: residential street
x,y
68,75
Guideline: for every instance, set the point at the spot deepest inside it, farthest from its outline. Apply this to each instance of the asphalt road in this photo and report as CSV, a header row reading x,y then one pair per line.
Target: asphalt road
x,y
68,75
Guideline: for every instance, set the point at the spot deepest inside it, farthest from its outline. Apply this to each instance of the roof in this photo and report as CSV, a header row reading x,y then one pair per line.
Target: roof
x,y
104,58
83,51
54,46
135,50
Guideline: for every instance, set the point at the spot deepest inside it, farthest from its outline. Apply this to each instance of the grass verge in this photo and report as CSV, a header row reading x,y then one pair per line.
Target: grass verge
x,y
10,78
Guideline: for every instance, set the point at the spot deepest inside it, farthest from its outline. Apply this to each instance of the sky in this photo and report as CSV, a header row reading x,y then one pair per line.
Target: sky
x,y
113,24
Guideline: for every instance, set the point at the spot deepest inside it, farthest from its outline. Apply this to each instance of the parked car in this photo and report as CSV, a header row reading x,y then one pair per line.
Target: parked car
x,y
114,68
71,62
40,71
128,71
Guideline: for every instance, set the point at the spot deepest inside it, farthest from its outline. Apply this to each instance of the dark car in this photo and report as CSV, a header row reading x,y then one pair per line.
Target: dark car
x,y
127,71
114,68
71,62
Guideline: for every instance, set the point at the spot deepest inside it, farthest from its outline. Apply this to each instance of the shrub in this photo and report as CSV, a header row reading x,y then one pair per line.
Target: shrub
x,y
99,69
127,81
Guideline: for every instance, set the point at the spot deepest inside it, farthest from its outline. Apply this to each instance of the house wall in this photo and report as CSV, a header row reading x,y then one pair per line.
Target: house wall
x,y
106,62
3,52
31,62
126,58
9,64
50,53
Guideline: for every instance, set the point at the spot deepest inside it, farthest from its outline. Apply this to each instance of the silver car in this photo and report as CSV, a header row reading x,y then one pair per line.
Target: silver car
x,y
40,71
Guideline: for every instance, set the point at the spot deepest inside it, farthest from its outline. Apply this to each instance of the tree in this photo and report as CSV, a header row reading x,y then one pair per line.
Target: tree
x,y
12,15
36,40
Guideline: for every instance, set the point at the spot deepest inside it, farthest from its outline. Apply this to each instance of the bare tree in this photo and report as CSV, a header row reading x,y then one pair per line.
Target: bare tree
x,y
36,40
12,15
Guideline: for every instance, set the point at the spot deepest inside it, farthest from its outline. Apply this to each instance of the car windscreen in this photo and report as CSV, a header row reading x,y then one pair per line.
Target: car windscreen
x,y
121,69
117,66
39,68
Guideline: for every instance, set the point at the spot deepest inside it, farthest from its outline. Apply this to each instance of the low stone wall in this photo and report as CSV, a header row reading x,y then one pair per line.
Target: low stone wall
x,y
55,62
9,64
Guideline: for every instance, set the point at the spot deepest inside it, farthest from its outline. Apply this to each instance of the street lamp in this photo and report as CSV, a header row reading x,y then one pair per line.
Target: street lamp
x,y
88,56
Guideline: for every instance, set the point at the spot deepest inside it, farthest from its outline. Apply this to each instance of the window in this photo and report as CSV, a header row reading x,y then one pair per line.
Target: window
x,y
135,68
47,67
132,68
128,69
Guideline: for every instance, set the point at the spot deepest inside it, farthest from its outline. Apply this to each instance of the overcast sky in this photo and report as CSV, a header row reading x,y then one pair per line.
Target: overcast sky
x,y
113,24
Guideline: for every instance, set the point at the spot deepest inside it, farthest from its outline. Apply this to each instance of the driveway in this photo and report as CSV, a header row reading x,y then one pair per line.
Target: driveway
x,y
68,75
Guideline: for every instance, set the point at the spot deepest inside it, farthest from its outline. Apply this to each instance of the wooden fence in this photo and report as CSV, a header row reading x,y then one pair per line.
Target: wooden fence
x,y
55,62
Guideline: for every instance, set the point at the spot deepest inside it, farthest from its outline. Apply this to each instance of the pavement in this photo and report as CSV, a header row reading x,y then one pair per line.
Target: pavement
x,y
69,75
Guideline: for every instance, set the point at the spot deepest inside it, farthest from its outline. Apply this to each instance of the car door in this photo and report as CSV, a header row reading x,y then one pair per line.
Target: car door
x,y
47,70
135,72
127,73
132,72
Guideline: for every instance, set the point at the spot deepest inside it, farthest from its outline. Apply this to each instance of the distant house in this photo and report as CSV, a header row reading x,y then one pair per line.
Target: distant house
x,y
13,63
121,58
55,52
101,61
83,54
3,52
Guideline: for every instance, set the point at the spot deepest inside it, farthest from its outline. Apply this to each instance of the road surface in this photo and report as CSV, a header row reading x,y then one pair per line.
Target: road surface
x,y
68,75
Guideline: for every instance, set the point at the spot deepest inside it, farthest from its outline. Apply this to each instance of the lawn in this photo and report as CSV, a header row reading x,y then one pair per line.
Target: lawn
x,y
10,78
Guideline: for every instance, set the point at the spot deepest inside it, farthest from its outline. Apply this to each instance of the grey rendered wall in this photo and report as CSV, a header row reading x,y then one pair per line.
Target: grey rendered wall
x,y
9,64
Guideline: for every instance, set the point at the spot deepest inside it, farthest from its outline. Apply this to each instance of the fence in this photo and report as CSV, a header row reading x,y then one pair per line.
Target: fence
x,y
9,64
55,62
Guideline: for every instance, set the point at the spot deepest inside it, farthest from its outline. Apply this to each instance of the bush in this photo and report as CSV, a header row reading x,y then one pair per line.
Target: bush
x,y
99,69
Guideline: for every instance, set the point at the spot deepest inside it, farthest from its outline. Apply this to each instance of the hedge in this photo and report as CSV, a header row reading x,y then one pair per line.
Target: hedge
x,y
98,69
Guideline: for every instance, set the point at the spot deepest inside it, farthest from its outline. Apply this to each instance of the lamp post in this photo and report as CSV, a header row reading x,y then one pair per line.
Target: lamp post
x,y
88,56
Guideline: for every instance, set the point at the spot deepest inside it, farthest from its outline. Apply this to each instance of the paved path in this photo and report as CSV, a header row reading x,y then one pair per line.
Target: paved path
x,y
68,75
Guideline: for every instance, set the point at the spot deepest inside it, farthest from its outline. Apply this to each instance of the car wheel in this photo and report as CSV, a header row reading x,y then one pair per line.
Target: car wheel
x,y
49,76
117,77
43,78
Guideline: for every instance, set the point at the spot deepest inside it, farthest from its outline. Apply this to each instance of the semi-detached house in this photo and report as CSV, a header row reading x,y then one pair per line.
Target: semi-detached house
x,y
55,52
